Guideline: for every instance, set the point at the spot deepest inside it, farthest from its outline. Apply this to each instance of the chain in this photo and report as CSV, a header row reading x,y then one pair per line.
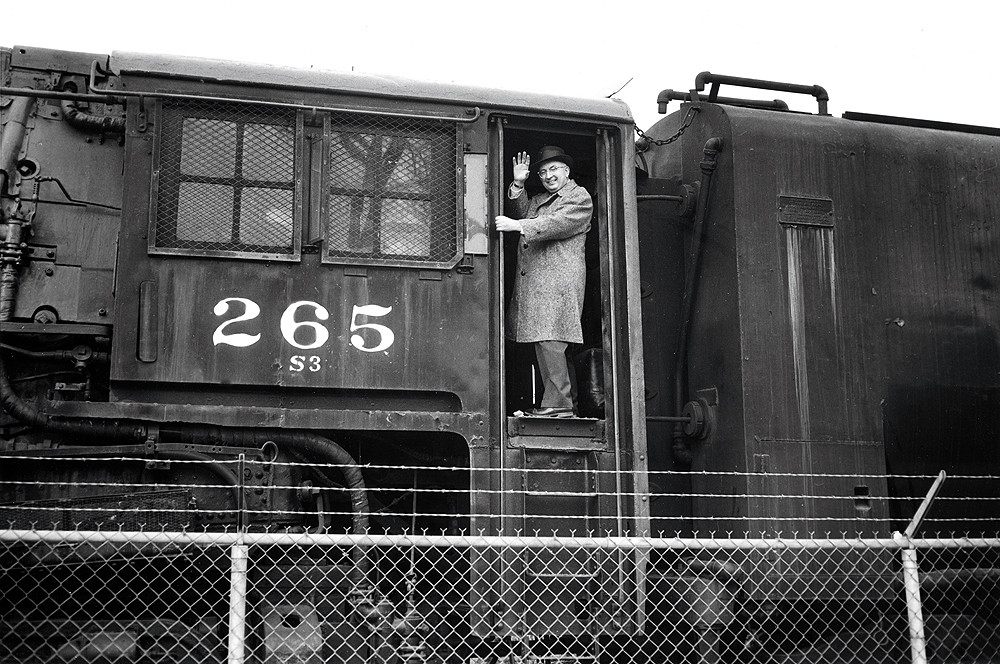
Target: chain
x,y
685,123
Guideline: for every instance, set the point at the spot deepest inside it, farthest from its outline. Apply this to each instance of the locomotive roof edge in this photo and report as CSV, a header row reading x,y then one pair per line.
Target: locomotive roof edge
x,y
377,85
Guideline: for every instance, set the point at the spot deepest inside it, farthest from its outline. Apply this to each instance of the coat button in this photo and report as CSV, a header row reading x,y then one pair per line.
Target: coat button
x,y
525,245
523,273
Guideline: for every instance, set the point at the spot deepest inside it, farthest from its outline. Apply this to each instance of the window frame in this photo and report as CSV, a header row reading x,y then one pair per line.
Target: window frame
x,y
312,214
238,114
457,218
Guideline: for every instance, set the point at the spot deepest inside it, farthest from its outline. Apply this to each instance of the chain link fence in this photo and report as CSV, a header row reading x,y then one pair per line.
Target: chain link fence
x,y
127,573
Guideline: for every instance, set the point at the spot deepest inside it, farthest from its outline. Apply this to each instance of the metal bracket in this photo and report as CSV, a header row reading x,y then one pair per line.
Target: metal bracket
x,y
140,117
466,265
41,253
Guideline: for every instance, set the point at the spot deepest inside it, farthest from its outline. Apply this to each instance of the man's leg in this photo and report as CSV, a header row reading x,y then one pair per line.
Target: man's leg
x,y
557,388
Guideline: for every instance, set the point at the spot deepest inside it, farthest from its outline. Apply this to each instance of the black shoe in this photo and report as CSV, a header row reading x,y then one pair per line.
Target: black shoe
x,y
551,412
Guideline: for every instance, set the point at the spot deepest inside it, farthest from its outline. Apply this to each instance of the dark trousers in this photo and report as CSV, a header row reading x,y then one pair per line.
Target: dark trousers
x,y
554,368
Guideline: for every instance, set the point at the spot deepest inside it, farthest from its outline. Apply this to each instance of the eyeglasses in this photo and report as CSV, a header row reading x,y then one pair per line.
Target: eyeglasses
x,y
551,170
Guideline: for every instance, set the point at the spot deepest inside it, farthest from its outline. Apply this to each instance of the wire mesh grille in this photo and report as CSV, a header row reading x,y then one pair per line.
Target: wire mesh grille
x,y
227,185
392,189
123,590
226,179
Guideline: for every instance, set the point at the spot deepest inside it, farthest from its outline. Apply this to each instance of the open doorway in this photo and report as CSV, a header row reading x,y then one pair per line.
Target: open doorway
x,y
522,378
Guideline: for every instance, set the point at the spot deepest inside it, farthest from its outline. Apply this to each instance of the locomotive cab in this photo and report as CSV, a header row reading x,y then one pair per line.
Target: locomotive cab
x,y
316,257
289,302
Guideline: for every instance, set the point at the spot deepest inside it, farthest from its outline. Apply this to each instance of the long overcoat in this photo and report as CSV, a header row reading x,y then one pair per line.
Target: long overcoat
x,y
551,265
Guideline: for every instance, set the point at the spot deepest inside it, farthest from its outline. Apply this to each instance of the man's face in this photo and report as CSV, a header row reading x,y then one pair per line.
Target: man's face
x,y
554,175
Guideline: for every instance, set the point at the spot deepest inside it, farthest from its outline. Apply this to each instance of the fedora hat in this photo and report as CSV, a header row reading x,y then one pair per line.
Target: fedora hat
x,y
552,153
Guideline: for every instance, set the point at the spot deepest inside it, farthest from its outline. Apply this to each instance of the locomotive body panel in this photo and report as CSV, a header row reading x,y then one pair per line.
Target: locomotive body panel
x,y
843,311
72,256
431,338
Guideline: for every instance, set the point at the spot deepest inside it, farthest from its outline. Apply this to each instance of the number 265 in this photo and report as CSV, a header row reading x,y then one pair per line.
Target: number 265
x,y
291,326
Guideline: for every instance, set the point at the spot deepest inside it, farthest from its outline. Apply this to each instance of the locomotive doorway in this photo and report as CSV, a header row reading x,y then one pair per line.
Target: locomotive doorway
x,y
520,382
563,477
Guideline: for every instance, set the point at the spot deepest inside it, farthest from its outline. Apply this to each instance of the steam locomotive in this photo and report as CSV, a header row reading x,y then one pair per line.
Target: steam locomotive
x,y
208,261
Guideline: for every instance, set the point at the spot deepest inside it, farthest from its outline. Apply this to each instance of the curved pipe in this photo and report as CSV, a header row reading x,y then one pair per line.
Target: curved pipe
x,y
228,476
313,445
109,431
681,449
86,122
90,123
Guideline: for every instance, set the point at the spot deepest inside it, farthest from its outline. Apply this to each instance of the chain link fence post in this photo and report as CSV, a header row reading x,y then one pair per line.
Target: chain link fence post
x,y
239,554
238,604
914,608
911,575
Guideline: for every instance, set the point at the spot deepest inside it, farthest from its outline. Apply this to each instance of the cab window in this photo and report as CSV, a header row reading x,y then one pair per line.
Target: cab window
x,y
262,182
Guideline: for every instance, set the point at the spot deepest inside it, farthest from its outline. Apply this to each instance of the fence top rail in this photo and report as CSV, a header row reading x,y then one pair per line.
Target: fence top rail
x,y
230,538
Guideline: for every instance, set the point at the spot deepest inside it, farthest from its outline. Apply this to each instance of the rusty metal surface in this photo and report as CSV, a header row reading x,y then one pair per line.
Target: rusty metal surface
x,y
848,294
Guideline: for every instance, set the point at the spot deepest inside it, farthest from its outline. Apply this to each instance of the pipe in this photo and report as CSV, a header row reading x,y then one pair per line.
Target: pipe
x,y
228,476
10,147
911,575
60,94
312,445
90,123
666,96
925,506
112,431
681,449
816,91
914,606
13,137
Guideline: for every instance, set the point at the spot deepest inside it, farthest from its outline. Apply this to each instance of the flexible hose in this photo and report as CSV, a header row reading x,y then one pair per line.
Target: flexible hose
x,y
87,122
110,431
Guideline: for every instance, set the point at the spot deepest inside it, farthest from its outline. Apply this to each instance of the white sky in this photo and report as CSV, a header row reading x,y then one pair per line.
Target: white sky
x,y
917,59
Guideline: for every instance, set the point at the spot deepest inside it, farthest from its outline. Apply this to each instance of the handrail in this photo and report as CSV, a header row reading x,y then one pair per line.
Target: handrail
x,y
473,113
666,96
60,94
716,80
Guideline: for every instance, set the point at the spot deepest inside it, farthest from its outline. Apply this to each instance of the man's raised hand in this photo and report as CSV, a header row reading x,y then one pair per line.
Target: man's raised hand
x,y
521,163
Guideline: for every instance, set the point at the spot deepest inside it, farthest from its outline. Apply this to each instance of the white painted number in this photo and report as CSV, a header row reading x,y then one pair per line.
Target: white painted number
x,y
387,336
240,340
289,326
315,335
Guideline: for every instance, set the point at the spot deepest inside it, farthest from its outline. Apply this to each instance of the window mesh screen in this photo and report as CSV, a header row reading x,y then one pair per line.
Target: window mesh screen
x,y
392,194
226,179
